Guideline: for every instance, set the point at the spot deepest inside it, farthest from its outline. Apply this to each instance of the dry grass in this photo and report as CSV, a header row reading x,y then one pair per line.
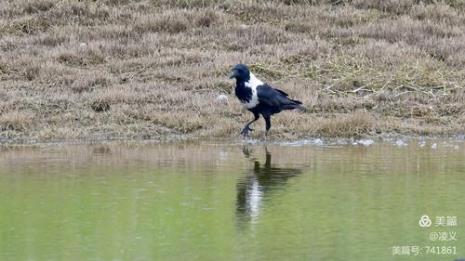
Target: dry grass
x,y
16,121
152,69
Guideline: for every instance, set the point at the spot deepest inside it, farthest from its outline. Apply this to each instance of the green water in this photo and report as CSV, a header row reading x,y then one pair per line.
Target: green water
x,y
229,202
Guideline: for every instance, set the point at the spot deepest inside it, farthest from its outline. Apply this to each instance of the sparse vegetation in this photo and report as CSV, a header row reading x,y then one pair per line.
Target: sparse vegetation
x,y
152,69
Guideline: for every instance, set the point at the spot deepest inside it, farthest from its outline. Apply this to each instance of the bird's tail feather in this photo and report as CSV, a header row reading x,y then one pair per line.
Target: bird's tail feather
x,y
294,104
292,107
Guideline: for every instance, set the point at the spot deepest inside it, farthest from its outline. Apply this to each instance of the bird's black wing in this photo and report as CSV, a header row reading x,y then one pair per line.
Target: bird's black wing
x,y
271,96
283,93
268,95
276,99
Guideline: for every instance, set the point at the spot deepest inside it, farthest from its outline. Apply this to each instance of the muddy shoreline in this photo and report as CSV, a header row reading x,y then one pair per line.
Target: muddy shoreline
x,y
395,139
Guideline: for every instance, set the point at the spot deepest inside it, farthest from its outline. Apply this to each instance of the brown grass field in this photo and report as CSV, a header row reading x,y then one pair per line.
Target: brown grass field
x,y
120,69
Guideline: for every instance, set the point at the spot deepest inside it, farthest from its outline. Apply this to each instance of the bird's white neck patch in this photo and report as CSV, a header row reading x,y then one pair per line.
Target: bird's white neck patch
x,y
252,83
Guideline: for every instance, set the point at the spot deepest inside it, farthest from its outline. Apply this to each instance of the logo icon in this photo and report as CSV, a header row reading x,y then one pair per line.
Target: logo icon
x,y
424,221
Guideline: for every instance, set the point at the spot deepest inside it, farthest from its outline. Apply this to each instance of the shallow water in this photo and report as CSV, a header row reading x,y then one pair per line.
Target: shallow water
x,y
232,202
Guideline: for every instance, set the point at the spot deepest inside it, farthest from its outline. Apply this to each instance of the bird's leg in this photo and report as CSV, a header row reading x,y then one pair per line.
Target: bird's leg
x,y
245,131
268,124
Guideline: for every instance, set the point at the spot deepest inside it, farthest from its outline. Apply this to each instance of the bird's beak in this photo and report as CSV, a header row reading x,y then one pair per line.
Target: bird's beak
x,y
233,74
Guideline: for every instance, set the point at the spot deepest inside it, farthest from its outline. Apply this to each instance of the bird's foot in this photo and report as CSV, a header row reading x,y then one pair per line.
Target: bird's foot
x,y
245,131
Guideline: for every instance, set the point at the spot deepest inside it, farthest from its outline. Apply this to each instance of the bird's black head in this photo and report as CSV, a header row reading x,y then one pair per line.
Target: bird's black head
x,y
240,72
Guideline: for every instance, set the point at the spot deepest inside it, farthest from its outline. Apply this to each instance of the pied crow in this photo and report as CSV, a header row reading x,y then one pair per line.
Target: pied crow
x,y
259,97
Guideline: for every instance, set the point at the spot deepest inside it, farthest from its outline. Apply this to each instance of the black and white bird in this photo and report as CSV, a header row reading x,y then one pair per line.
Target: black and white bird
x,y
260,98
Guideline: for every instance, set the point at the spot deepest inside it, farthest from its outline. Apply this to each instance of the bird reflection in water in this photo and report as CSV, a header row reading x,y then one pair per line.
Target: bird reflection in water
x,y
258,186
